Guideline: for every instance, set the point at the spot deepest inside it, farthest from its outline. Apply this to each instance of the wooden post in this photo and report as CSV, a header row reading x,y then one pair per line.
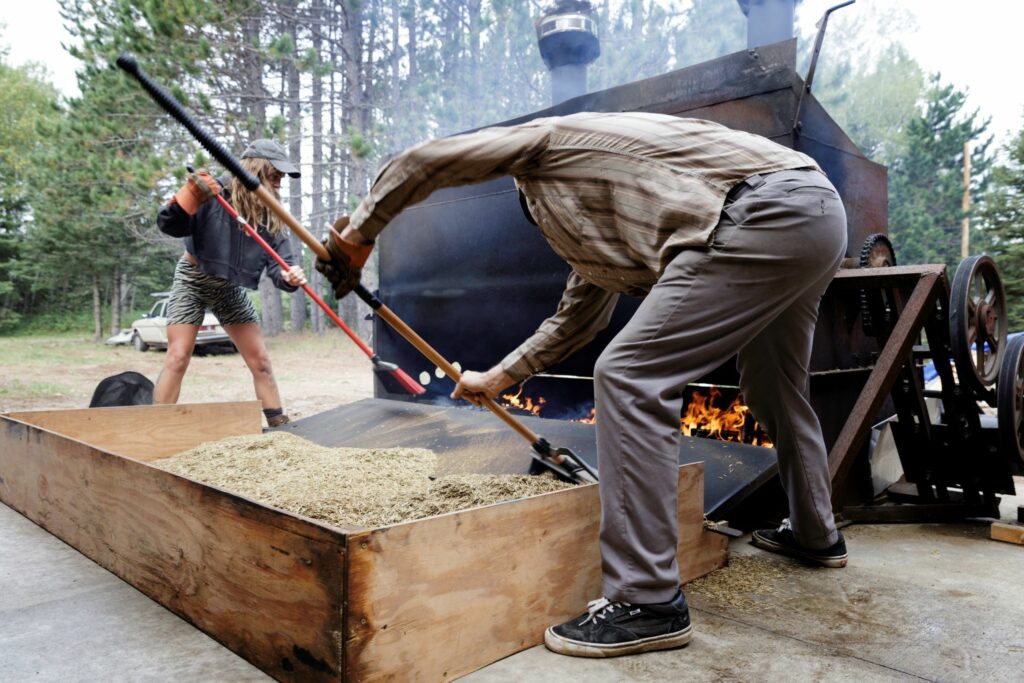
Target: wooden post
x,y
965,226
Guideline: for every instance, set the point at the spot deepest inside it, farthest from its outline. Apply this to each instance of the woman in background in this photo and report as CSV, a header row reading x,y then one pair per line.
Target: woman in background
x,y
220,262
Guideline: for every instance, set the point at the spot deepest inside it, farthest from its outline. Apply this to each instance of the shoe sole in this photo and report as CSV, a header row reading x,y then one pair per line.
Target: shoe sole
x,y
829,561
577,648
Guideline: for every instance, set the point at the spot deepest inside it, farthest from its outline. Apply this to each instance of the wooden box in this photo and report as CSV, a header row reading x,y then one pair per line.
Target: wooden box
x,y
426,600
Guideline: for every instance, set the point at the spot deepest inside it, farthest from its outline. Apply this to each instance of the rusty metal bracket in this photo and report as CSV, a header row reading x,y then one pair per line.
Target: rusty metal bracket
x,y
896,352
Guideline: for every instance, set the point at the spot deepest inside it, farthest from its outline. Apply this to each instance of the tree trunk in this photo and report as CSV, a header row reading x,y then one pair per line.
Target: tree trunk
x,y
317,219
115,302
270,297
473,8
298,297
354,117
252,77
413,45
97,310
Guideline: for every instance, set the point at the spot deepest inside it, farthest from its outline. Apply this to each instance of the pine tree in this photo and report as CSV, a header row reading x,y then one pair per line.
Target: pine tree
x,y
1001,227
28,105
926,181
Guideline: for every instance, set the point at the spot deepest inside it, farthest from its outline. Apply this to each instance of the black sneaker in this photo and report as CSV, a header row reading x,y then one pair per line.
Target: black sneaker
x,y
610,629
783,541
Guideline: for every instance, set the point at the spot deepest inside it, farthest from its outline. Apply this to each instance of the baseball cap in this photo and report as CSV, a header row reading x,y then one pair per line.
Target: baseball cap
x,y
272,152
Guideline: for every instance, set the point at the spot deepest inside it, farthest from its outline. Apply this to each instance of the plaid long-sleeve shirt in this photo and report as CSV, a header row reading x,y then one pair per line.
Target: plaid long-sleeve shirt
x,y
616,195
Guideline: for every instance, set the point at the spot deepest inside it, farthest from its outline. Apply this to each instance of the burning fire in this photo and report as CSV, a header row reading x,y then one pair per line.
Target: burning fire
x,y
704,417
513,401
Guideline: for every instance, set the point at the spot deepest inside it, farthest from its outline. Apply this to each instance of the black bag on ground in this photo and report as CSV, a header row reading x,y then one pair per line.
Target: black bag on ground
x,y
126,389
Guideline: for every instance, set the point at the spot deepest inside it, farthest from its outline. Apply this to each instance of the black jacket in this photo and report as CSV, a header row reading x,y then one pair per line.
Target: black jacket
x,y
222,248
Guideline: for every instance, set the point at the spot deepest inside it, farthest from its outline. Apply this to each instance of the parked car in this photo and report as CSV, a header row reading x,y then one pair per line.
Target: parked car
x,y
150,331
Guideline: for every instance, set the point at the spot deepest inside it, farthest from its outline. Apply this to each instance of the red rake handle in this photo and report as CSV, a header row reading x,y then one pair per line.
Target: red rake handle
x,y
306,288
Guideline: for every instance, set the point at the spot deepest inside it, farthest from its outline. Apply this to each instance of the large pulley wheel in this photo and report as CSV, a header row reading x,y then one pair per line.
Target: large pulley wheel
x,y
1010,398
977,322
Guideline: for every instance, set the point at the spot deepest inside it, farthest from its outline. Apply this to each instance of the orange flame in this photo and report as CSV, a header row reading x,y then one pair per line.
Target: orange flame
x,y
703,417
513,401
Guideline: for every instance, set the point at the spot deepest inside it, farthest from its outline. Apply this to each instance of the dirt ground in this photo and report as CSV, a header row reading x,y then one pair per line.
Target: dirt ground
x,y
314,373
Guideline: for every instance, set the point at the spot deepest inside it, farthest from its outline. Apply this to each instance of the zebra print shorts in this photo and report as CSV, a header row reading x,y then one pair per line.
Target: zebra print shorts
x,y
193,292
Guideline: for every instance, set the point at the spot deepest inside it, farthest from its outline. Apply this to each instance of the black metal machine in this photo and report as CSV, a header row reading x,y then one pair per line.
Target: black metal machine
x,y
866,361
956,459
508,280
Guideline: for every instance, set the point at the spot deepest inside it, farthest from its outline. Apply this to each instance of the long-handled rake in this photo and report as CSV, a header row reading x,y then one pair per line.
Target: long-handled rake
x,y
561,461
389,373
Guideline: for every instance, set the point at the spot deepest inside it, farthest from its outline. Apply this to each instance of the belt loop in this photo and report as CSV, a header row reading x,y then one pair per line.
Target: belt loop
x,y
755,181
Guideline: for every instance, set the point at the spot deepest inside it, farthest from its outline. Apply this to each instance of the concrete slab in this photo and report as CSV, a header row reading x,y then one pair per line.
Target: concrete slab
x,y
65,618
917,602
923,601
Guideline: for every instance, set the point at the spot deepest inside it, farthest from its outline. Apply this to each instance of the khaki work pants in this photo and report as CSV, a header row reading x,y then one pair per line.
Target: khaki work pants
x,y
754,292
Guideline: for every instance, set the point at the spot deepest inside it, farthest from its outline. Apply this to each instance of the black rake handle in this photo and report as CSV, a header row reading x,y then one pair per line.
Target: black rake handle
x,y
171,105
166,100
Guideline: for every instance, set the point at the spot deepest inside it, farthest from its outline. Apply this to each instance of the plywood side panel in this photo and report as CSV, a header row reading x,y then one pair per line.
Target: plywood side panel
x,y
700,551
438,598
150,432
266,584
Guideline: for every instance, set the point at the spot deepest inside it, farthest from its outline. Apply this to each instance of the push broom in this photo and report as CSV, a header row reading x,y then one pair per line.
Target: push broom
x,y
389,374
562,461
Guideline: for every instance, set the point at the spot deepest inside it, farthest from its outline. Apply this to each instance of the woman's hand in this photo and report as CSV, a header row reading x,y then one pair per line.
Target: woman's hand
x,y
294,276
475,386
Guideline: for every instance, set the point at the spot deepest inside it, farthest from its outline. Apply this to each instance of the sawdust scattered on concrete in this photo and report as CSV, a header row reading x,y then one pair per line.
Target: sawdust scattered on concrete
x,y
367,487
742,582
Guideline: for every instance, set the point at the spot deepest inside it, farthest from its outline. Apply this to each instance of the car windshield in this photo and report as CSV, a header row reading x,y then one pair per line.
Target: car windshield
x,y
158,309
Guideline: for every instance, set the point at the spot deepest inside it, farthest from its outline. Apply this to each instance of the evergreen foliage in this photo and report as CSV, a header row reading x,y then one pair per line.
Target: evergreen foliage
x,y
1000,229
926,179
345,84
27,106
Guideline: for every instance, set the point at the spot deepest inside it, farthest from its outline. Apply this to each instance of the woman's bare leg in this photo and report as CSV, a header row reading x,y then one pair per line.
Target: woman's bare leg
x,y
249,341
181,339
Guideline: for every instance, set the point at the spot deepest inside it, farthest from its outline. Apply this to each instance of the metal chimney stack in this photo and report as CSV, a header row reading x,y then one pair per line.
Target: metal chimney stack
x,y
567,36
768,21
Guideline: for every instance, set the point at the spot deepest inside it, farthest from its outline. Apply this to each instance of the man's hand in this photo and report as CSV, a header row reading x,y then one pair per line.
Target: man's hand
x,y
199,187
347,258
475,386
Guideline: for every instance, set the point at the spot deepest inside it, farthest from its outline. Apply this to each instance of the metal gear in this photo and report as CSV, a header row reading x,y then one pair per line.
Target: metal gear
x,y
876,252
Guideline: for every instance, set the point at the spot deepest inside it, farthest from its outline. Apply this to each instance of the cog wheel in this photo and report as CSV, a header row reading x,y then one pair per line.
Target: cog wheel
x,y
876,252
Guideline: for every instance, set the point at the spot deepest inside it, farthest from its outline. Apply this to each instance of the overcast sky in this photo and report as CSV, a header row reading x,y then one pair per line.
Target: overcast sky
x,y
971,44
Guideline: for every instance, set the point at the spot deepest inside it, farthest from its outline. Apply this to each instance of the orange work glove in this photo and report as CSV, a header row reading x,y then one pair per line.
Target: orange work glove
x,y
199,187
347,260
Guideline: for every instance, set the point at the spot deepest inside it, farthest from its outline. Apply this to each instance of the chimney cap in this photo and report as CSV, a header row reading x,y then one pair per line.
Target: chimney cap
x,y
567,34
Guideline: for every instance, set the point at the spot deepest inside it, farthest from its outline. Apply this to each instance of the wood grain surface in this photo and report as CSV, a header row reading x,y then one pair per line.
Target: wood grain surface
x,y
441,597
266,584
150,432
426,600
